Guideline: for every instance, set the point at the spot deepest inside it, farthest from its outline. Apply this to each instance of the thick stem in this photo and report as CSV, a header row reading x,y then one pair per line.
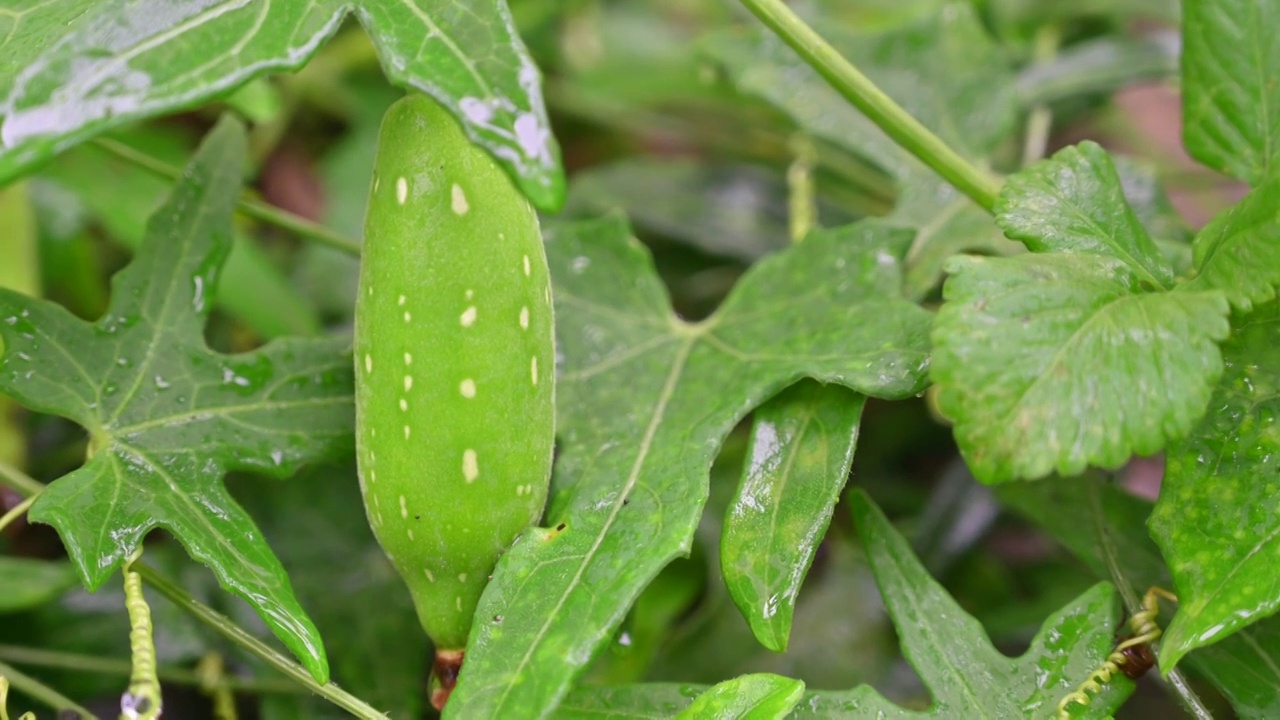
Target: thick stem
x,y
875,104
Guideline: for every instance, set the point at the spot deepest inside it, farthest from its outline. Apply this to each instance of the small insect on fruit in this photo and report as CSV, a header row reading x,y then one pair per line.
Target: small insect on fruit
x,y
454,364
1133,657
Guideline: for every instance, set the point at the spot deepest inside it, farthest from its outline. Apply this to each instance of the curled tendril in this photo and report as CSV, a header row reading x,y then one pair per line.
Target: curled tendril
x,y
1132,657
142,700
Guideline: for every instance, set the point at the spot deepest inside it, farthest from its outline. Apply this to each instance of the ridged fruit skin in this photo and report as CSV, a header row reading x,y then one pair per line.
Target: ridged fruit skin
x,y
455,359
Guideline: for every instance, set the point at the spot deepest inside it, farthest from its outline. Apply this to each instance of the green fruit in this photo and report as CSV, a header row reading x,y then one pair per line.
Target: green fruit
x,y
455,358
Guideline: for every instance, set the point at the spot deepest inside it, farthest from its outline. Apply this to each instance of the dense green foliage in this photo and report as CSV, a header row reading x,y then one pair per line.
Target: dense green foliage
x,y
880,391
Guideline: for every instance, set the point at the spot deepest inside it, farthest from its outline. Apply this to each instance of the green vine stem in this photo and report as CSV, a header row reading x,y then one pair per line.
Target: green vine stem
x,y
16,512
875,104
143,700
224,625
43,693
19,481
255,209
36,657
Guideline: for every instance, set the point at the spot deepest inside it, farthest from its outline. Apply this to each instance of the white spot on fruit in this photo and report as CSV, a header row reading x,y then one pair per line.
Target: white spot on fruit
x,y
373,477
467,388
527,268
408,383
408,359
407,316
468,317
430,577
533,369
524,318
459,200
368,362
402,300
457,603
404,508
470,294
406,432
470,466
404,405
410,534
462,577
402,190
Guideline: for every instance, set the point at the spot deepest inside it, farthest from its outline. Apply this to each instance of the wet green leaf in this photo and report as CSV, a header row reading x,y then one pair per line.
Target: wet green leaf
x,y
1230,97
1060,361
251,288
1218,516
1237,252
1095,519
644,402
801,449
758,697
20,272
30,583
73,79
166,416
966,676
1073,202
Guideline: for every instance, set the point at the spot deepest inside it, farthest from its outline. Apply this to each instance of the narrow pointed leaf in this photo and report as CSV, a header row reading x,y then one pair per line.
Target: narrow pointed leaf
x,y
1095,520
967,677
86,66
950,650
1230,97
1238,252
802,445
761,696
1058,362
1074,202
644,402
167,417
1218,518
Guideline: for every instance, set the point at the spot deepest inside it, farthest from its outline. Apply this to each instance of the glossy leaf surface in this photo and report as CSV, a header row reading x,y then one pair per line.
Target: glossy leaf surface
x,y
801,448
966,676
1218,517
167,418
78,67
756,697
644,401
1061,361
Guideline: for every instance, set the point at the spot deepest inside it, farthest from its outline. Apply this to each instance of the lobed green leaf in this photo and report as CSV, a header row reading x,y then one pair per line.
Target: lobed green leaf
x,y
1218,517
85,66
644,402
966,676
167,417
1230,97
1057,362
1238,251
1074,202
